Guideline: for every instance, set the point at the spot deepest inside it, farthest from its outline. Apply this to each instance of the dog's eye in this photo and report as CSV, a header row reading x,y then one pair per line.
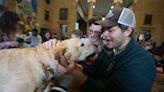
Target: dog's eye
x,y
82,44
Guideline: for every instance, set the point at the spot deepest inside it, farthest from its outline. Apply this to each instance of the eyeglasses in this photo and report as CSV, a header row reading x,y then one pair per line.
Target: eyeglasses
x,y
95,32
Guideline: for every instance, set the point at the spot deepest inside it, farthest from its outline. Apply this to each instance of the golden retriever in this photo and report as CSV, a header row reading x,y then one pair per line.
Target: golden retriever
x,y
24,70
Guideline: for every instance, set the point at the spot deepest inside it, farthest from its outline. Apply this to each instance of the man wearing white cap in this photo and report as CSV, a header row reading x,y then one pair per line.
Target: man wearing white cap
x,y
127,68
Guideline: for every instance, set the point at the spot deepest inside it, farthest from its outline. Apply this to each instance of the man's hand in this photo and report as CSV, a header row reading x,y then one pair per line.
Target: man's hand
x,y
67,64
50,44
72,68
13,44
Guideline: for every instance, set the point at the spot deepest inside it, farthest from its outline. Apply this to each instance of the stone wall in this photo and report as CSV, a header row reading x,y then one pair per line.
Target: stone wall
x,y
155,8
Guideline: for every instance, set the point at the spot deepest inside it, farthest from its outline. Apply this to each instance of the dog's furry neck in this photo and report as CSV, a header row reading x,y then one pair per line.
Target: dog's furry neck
x,y
46,57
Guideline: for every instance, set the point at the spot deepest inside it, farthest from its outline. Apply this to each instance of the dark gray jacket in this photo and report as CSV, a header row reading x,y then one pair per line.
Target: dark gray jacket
x,y
133,71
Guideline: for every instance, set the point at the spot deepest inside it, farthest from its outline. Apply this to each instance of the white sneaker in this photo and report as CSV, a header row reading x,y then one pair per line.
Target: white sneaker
x,y
58,89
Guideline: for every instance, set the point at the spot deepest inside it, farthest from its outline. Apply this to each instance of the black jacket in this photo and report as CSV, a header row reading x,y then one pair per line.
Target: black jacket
x,y
133,71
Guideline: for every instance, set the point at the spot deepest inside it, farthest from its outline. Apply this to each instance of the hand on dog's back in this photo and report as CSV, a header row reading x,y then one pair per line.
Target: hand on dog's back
x,y
50,44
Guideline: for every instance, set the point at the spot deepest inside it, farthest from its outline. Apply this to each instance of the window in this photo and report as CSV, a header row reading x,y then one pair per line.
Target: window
x,y
148,20
47,1
63,28
63,13
46,17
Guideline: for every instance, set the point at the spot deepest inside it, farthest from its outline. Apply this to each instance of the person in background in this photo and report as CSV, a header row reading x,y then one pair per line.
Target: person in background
x,y
8,28
35,38
95,30
76,34
158,53
93,35
47,36
128,67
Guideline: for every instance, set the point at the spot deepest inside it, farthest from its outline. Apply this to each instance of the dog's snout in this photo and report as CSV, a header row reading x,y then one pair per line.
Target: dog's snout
x,y
82,44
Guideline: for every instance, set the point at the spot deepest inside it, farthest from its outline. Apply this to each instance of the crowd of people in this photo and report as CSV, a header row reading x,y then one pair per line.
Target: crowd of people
x,y
120,65
14,35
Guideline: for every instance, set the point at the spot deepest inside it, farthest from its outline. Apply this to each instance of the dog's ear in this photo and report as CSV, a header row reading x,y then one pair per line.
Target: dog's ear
x,y
59,52
67,53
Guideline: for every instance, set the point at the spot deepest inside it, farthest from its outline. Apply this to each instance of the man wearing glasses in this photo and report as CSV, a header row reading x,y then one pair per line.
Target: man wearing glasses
x,y
94,36
94,30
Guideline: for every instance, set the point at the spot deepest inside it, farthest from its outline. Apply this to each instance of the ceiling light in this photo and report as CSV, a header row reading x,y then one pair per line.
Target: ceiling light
x,y
91,0
93,6
118,1
112,7
103,18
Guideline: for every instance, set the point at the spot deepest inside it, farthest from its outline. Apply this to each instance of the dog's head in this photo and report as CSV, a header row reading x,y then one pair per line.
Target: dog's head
x,y
75,49
72,50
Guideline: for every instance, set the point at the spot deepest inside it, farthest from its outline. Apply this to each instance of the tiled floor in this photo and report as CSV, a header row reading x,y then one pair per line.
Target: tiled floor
x,y
159,83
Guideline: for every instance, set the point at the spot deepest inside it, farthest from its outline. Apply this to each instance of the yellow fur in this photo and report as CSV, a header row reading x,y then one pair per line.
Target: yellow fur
x,y
21,70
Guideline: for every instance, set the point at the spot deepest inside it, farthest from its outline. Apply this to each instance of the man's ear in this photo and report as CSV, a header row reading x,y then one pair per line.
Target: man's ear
x,y
128,32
